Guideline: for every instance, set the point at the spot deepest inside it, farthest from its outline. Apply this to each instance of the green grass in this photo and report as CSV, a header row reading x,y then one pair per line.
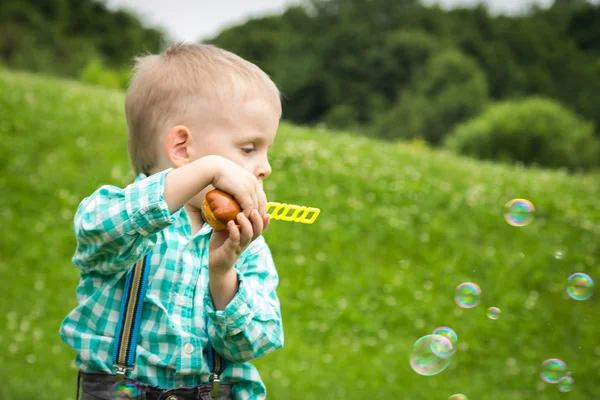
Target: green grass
x,y
400,227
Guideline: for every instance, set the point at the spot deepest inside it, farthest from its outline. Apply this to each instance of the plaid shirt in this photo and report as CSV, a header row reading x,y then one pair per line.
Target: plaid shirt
x,y
115,228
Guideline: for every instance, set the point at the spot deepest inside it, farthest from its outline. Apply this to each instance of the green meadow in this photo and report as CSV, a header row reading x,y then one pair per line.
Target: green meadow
x,y
401,226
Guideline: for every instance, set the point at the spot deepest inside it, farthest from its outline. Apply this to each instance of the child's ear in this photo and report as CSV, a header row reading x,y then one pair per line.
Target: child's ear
x,y
178,144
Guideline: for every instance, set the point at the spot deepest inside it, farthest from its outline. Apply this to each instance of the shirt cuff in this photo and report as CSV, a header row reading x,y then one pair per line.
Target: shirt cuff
x,y
236,316
146,207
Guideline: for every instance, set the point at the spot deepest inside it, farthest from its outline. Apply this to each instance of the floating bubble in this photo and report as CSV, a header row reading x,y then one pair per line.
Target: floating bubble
x,y
559,255
448,333
424,361
519,212
467,295
553,370
493,312
580,286
442,346
565,384
439,348
125,391
458,396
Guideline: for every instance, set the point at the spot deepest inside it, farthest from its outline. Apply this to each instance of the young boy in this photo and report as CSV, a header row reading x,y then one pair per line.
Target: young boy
x,y
199,118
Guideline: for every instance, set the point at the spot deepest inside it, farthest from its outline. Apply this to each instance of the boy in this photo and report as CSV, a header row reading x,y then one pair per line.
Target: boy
x,y
198,118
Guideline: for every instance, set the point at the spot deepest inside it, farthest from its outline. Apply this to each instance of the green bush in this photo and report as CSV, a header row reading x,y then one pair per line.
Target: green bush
x,y
533,131
449,90
96,73
340,117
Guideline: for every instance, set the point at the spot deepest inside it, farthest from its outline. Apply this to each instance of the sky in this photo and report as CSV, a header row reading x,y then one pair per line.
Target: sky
x,y
193,20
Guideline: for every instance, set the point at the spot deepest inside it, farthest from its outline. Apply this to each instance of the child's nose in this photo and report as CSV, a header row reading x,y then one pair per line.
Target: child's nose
x,y
263,170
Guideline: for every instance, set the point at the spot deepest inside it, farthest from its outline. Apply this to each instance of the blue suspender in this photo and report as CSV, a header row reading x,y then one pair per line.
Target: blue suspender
x,y
128,328
130,317
215,365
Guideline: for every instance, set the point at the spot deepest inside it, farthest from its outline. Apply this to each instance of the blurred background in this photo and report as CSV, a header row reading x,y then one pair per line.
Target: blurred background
x,y
411,124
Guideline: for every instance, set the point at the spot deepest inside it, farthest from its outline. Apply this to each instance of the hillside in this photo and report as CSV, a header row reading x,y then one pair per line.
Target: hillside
x,y
401,226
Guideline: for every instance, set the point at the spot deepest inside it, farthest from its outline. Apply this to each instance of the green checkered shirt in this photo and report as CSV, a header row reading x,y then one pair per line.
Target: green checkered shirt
x,y
115,228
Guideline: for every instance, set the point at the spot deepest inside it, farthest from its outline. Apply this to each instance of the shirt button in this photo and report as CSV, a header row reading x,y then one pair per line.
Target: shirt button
x,y
188,348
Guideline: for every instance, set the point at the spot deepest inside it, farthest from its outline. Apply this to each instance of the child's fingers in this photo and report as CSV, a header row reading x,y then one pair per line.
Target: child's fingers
x,y
246,196
245,202
266,221
262,201
249,203
257,224
255,202
234,233
245,229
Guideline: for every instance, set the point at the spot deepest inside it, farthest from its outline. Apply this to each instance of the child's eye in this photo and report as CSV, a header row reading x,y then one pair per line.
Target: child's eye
x,y
248,150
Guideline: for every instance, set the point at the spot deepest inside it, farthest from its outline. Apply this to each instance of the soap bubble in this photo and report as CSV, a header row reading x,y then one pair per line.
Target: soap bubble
x,y
493,312
439,348
442,346
467,295
458,396
448,333
580,286
519,212
565,384
423,359
553,370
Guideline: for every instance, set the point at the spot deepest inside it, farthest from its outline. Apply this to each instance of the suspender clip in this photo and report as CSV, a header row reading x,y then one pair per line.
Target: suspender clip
x,y
216,385
120,373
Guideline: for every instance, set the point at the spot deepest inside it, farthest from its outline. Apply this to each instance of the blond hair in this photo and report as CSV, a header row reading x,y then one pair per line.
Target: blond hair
x,y
165,86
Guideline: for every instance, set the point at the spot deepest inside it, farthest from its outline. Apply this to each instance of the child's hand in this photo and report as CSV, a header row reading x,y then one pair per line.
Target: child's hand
x,y
227,245
245,188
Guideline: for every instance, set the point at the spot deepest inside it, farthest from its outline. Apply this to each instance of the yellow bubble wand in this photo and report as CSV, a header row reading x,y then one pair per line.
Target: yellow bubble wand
x,y
218,208
281,212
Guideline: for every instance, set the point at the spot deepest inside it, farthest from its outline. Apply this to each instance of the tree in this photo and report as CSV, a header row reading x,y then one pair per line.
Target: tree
x,y
62,36
570,2
450,89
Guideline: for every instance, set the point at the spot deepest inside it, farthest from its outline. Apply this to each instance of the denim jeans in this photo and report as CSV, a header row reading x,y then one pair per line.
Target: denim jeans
x,y
99,387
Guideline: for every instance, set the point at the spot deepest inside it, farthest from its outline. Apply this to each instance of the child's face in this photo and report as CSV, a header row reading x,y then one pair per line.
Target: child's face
x,y
243,134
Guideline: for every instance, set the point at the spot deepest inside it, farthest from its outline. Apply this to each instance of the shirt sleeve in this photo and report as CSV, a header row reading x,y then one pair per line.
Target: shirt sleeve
x,y
115,227
250,326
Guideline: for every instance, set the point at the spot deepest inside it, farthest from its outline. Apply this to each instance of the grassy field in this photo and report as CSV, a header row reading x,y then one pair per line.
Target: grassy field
x,y
401,226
